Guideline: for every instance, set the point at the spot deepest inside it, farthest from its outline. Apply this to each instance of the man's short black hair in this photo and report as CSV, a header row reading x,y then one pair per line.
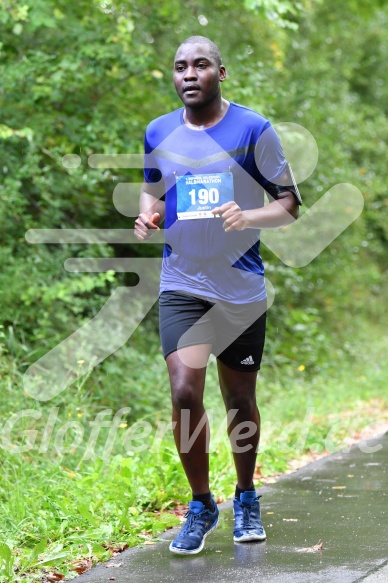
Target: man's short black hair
x,y
203,40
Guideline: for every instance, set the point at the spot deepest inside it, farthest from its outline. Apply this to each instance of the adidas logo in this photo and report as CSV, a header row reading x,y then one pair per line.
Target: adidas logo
x,y
248,360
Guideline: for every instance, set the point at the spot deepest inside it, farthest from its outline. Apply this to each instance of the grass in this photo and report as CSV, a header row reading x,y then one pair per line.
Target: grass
x,y
67,502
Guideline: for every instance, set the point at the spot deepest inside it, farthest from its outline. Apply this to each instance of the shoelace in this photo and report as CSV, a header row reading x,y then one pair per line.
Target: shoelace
x,y
190,522
246,517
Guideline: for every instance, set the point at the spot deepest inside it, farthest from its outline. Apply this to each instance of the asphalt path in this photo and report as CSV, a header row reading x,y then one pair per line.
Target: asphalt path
x,y
339,502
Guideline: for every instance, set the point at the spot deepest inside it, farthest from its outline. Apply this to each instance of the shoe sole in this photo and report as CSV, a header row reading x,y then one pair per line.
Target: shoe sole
x,y
247,538
194,551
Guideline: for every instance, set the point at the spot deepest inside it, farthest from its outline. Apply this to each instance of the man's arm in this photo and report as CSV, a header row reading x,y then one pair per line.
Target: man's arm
x,y
275,214
152,210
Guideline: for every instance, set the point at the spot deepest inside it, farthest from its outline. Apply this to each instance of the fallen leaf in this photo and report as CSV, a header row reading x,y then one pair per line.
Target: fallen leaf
x,y
113,565
179,510
313,549
115,549
82,566
338,488
290,520
54,577
258,474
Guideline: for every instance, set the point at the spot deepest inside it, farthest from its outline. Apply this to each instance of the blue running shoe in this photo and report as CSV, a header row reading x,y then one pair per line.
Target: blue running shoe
x,y
247,522
200,522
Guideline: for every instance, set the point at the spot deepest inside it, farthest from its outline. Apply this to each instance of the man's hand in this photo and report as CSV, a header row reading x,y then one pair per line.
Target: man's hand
x,y
145,224
234,217
277,213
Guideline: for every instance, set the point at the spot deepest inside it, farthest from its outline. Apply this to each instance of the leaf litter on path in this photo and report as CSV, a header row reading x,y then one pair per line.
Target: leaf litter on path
x,y
314,549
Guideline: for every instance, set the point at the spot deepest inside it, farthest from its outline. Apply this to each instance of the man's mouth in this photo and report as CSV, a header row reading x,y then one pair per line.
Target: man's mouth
x,y
191,88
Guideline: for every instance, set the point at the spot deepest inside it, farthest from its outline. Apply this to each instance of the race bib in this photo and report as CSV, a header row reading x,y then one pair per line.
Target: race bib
x,y
199,194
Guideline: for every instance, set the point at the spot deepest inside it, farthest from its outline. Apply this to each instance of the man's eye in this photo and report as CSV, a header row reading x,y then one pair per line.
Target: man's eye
x,y
201,65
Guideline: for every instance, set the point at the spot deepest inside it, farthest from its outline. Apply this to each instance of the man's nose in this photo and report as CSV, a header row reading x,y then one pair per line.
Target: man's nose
x,y
191,73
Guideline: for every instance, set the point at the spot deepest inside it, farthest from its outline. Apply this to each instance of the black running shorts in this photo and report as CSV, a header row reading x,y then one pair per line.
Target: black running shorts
x,y
235,331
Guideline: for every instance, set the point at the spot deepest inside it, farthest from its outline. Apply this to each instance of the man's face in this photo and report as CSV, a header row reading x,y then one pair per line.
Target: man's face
x,y
197,76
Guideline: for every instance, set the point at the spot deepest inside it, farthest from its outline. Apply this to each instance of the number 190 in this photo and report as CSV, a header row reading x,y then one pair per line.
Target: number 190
x,y
205,196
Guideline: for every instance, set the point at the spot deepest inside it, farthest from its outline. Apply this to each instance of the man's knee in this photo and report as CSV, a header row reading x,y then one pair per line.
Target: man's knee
x,y
185,395
244,403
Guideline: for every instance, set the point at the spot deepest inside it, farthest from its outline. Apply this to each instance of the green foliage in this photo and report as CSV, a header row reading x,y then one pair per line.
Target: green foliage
x,y
56,526
278,11
86,77
76,80
58,507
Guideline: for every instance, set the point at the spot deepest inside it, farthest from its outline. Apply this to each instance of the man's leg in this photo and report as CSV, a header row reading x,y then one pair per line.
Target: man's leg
x,y
187,387
238,390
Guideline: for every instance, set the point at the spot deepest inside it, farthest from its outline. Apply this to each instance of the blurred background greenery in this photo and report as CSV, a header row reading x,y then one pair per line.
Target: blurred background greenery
x,y
86,77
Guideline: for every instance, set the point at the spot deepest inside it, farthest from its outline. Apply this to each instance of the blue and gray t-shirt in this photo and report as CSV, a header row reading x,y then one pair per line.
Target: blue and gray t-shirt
x,y
237,158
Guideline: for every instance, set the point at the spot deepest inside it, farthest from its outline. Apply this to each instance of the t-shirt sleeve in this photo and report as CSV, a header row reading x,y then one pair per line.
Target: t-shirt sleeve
x,y
151,171
274,172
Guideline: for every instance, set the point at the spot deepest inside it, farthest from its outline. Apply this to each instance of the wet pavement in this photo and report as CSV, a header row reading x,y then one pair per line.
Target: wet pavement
x,y
341,500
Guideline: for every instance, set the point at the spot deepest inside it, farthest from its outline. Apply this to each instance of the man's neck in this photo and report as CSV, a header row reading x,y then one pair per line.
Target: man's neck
x,y
206,117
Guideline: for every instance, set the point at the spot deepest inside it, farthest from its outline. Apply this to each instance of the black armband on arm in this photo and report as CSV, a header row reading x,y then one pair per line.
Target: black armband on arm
x,y
289,185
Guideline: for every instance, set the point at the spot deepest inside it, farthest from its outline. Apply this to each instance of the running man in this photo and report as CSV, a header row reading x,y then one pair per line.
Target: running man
x,y
207,166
